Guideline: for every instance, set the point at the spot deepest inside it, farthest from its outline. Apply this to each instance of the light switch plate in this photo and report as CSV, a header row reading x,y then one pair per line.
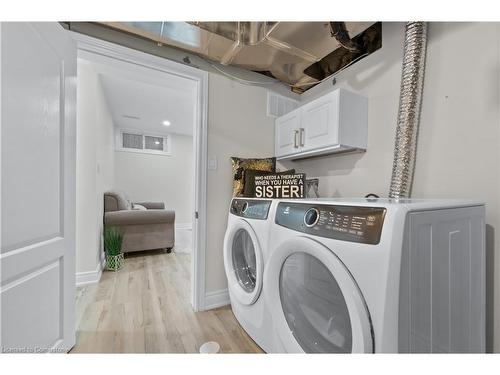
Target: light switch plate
x,y
212,163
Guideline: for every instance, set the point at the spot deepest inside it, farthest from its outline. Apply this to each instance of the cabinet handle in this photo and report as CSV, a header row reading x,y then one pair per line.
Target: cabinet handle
x,y
295,143
301,137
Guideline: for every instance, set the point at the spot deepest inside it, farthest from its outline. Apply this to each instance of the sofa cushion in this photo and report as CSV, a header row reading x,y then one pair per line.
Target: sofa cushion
x,y
138,217
152,205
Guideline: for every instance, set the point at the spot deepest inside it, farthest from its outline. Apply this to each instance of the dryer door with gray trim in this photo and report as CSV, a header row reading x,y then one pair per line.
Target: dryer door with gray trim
x,y
316,305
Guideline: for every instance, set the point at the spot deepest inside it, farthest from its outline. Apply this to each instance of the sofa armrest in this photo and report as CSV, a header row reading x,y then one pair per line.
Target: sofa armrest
x,y
152,205
138,217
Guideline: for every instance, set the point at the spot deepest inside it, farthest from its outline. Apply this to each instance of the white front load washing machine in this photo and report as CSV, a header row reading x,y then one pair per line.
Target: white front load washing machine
x,y
381,275
245,253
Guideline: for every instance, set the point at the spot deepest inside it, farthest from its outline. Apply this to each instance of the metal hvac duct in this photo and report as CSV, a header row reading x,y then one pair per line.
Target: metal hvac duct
x,y
299,54
410,99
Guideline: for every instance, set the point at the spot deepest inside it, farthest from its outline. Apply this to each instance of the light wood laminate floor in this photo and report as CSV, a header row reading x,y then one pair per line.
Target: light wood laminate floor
x,y
145,308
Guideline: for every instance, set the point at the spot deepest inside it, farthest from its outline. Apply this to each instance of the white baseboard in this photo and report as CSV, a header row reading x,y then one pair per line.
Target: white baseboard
x,y
216,299
91,277
188,226
183,238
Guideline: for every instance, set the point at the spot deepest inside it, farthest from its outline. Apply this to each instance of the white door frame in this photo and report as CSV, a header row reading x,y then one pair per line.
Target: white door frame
x,y
115,51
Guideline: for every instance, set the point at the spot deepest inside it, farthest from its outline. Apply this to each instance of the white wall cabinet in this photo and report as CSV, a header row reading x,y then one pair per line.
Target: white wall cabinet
x,y
287,133
333,123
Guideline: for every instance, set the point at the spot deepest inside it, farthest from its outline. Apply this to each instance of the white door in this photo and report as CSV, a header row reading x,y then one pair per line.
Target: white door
x,y
287,133
320,122
315,303
38,102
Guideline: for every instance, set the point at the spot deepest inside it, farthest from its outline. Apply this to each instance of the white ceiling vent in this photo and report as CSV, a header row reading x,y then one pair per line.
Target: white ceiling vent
x,y
278,105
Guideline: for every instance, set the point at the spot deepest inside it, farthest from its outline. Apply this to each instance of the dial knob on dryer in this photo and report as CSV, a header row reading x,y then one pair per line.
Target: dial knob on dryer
x,y
311,217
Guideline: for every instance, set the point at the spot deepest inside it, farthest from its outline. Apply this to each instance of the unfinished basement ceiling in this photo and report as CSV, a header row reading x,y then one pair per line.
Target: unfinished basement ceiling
x,y
298,54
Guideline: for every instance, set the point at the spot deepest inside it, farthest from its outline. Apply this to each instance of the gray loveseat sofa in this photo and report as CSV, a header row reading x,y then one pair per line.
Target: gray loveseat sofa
x,y
143,229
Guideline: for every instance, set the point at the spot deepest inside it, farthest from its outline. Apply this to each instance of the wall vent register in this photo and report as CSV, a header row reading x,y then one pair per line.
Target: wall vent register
x,y
346,223
278,105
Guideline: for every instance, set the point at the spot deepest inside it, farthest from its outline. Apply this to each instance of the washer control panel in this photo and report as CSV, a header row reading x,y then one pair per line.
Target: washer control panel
x,y
250,208
346,223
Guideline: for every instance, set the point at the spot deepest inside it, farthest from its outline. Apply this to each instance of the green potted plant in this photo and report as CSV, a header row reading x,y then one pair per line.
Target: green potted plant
x,y
113,239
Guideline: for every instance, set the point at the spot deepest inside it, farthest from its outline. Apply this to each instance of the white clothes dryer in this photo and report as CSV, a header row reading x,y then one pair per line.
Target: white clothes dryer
x,y
376,275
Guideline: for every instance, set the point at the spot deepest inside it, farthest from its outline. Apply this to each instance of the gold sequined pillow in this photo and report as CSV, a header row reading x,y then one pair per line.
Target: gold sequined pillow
x,y
241,164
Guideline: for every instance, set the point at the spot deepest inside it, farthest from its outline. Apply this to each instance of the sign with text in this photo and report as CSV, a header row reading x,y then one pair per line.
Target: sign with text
x,y
280,186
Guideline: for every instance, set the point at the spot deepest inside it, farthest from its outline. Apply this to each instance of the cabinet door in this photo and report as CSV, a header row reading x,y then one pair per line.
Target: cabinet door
x,y
286,133
319,123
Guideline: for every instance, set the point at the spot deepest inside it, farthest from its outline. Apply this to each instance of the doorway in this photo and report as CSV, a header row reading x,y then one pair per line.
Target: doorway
x,y
108,54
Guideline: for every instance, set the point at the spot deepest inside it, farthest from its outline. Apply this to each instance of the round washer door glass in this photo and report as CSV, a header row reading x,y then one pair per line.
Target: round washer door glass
x,y
244,260
314,306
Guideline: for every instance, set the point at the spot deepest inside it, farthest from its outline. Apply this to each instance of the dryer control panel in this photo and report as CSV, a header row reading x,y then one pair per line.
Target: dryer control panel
x,y
345,223
250,208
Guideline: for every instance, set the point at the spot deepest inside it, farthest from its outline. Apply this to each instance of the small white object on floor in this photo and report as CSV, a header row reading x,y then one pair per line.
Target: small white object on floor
x,y
210,347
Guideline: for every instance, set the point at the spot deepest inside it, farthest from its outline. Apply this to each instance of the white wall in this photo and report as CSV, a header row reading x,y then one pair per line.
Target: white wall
x,y
459,135
237,126
94,166
160,178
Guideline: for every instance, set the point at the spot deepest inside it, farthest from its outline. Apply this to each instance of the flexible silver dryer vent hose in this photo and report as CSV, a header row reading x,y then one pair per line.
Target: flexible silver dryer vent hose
x,y
410,99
